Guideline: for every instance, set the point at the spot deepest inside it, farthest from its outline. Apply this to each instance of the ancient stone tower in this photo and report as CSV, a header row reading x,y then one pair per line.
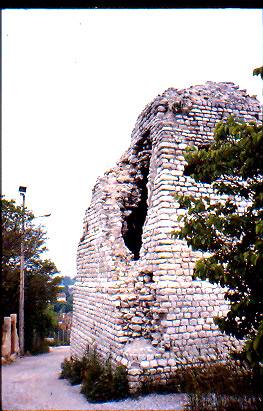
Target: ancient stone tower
x,y
134,296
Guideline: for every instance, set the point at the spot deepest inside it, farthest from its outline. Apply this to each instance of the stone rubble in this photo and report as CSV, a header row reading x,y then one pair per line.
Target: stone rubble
x,y
134,297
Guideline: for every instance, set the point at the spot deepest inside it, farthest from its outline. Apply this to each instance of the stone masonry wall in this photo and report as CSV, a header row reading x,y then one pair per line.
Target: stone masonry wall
x,y
134,296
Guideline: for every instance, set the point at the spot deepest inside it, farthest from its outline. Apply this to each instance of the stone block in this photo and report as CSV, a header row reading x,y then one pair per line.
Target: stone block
x,y
6,337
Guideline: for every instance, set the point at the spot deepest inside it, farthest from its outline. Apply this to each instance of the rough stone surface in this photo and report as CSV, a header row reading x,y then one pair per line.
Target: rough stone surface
x,y
6,337
14,335
10,341
134,296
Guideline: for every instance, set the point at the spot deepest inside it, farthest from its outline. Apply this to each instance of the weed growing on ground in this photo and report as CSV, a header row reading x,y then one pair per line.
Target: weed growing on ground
x,y
225,386
229,386
100,380
220,402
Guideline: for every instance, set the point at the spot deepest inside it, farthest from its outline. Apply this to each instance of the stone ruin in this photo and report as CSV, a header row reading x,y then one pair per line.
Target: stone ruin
x,y
134,296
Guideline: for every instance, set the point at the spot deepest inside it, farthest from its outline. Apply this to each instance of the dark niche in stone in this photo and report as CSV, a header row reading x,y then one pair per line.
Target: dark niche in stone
x,y
135,207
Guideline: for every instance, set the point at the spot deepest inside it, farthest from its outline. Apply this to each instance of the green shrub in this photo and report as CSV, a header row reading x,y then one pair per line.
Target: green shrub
x,y
72,370
40,347
100,381
120,381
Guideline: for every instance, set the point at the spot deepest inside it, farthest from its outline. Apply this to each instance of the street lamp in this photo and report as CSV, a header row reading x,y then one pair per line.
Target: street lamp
x,y
22,191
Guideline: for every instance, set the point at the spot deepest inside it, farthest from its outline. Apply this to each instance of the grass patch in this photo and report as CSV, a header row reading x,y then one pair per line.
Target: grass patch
x,y
100,380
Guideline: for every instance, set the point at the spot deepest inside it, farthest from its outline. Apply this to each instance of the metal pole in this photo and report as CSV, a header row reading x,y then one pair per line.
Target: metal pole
x,y
22,285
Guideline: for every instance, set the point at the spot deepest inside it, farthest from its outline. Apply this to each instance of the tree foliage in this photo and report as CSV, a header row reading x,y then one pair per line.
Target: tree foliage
x,y
258,72
65,306
41,286
229,227
66,281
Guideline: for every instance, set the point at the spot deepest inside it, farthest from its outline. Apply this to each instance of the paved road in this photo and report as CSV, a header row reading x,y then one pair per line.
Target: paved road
x,y
32,383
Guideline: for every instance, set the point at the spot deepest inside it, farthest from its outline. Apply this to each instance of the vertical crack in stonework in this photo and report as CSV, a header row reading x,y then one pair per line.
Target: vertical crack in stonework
x,y
135,207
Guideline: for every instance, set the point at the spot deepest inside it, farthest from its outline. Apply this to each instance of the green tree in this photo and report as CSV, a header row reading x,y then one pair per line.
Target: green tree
x,y
66,280
230,228
64,307
41,286
258,72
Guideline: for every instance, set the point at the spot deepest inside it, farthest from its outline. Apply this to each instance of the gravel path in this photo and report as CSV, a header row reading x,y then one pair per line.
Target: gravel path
x,y
32,383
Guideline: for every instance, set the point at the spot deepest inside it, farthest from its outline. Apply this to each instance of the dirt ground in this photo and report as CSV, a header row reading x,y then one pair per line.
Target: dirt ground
x,y
32,383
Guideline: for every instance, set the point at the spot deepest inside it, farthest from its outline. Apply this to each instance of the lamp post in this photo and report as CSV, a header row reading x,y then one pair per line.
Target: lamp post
x,y
21,331
22,191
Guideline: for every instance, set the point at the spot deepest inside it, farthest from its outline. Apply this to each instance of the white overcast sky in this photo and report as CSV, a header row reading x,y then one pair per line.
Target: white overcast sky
x,y
75,81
